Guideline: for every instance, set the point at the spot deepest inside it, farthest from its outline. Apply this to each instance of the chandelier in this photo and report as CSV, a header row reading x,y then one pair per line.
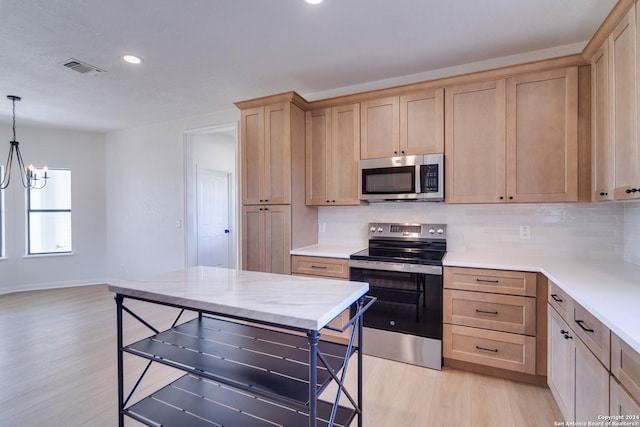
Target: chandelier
x,y
31,178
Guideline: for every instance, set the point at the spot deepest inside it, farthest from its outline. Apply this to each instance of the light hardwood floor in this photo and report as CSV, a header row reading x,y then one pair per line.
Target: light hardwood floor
x,y
58,368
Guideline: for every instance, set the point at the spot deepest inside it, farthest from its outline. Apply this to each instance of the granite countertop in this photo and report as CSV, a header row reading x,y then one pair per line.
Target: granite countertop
x,y
610,290
289,301
328,250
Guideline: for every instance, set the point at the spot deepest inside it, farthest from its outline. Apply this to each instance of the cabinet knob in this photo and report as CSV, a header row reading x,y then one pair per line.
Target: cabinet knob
x,y
333,201
328,201
510,197
402,152
395,152
501,198
632,190
568,337
603,194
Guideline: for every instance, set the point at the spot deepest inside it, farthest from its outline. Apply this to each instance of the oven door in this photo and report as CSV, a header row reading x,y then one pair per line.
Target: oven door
x,y
410,303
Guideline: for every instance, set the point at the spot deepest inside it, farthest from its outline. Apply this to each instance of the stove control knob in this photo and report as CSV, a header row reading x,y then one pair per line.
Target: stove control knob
x,y
432,231
379,229
372,229
440,231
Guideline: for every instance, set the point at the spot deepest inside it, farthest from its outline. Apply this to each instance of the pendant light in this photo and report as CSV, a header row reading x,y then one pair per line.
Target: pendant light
x,y
29,176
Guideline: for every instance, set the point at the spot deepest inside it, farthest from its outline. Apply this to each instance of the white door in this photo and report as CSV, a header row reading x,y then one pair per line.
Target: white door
x,y
212,210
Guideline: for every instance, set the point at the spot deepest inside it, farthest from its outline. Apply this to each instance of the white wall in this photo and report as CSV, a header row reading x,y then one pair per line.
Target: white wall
x,y
593,231
83,154
146,195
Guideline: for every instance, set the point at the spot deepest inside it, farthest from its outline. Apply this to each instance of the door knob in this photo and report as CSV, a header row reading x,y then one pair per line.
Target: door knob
x,y
226,231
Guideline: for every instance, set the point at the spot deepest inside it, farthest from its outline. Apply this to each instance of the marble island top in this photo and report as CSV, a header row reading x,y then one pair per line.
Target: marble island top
x,y
328,250
290,301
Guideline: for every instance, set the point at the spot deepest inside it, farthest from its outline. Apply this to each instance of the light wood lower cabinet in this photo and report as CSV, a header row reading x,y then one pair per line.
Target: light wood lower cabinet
x,y
490,348
621,403
578,374
561,372
326,267
266,238
491,320
320,266
625,366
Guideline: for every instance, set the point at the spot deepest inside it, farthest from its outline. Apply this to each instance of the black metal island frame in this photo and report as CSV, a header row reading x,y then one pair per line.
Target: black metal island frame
x,y
240,374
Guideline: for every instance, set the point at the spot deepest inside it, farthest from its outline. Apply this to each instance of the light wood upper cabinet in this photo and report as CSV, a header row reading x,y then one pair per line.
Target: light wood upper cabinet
x,y
422,123
266,154
402,126
332,154
266,242
513,140
616,144
542,137
624,66
602,150
475,143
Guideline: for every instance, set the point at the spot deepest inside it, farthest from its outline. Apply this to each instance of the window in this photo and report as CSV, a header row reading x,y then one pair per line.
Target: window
x,y
49,215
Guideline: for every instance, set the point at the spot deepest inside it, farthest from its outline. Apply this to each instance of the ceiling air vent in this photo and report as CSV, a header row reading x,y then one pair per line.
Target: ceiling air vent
x,y
82,67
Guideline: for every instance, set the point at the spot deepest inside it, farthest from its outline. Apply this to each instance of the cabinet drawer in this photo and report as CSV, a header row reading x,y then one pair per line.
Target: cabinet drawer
x,y
559,300
620,402
592,332
497,349
506,313
320,266
625,365
496,281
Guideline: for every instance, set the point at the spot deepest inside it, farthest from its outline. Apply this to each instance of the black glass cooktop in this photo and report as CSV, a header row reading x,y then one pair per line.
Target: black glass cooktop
x,y
425,253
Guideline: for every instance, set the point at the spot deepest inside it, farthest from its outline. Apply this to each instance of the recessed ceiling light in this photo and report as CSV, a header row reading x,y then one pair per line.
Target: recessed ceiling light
x,y
313,1
132,59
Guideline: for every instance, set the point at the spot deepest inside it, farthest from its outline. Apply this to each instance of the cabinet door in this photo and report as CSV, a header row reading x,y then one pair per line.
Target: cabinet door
x,y
253,238
600,130
561,373
342,171
422,123
379,123
622,403
592,385
277,154
277,220
318,152
622,53
475,143
252,147
542,137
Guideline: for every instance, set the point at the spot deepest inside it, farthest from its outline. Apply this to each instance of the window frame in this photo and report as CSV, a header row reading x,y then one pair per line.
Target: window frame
x,y
28,221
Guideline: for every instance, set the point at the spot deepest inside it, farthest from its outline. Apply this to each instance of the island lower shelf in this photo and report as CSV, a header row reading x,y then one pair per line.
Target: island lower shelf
x,y
237,374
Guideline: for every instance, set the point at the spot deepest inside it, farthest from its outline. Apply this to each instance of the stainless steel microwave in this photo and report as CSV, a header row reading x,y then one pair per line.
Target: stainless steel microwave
x,y
411,178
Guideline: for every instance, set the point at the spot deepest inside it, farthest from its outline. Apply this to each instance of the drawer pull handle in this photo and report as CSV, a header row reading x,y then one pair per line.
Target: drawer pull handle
x,y
486,312
584,328
492,350
555,298
568,337
319,267
487,281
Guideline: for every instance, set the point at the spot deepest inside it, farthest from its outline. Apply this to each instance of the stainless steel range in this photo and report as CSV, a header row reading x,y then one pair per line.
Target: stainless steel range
x,y
403,265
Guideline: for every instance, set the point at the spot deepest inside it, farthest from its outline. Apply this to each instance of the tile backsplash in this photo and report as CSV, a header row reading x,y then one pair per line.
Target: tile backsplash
x,y
594,231
632,232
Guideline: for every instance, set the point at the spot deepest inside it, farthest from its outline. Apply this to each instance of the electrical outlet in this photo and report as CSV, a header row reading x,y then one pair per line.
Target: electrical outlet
x,y
322,227
525,232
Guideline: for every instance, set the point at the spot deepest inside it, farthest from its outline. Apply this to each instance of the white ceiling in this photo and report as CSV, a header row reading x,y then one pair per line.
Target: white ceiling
x,y
200,56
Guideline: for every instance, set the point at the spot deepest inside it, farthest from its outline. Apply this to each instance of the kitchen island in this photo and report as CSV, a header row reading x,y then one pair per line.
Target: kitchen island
x,y
240,373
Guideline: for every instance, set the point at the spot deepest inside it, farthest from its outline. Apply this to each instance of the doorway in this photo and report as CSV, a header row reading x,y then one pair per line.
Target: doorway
x,y
211,231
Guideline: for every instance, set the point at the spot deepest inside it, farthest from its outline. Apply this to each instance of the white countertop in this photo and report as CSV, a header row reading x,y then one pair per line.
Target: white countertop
x,y
290,301
328,251
610,290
